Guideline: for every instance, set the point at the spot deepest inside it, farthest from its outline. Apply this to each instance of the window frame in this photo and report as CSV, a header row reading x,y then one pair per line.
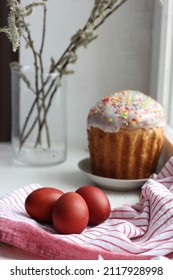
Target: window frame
x,y
165,75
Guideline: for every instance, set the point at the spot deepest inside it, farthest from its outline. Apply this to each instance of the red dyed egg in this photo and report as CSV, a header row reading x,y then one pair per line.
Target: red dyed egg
x,y
97,202
70,214
40,202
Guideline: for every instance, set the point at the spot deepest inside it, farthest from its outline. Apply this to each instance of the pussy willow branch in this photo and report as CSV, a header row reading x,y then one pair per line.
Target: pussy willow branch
x,y
109,13
42,82
73,46
36,66
39,101
65,59
54,90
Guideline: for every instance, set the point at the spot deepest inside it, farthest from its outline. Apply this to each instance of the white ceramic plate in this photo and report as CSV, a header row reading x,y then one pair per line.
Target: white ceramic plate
x,y
111,184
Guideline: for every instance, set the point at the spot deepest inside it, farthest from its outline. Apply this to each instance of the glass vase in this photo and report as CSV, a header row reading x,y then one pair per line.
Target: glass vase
x,y
39,135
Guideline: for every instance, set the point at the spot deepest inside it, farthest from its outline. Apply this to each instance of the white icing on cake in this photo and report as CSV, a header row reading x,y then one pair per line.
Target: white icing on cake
x,y
126,109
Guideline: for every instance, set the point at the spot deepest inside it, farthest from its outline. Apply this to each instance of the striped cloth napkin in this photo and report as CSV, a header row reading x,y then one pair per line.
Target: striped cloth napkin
x,y
140,231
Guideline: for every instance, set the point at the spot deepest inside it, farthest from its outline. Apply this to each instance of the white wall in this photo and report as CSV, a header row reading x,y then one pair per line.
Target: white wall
x,y
119,59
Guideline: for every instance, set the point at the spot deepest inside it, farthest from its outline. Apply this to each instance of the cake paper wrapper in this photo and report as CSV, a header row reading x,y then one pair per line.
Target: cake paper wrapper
x,y
140,231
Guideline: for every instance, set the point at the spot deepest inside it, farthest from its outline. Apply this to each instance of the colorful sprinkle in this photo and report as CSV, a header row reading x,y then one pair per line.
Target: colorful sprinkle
x,y
127,108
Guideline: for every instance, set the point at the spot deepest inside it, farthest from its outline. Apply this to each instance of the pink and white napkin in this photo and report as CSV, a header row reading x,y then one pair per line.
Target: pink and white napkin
x,y
140,231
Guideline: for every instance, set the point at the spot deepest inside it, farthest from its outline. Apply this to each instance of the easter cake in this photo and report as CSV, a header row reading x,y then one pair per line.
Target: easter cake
x,y
125,135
